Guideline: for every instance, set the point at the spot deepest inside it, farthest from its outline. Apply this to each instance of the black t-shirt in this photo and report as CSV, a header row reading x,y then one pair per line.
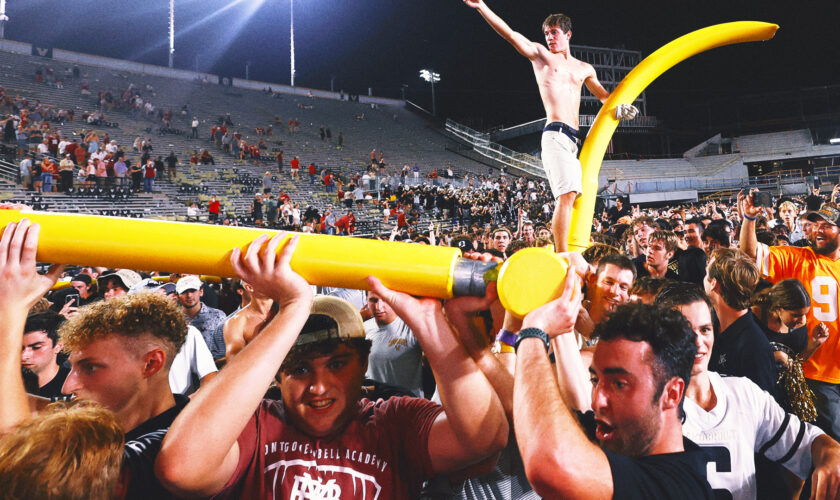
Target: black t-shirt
x,y
669,475
52,389
796,340
639,262
679,476
742,350
691,264
614,213
142,444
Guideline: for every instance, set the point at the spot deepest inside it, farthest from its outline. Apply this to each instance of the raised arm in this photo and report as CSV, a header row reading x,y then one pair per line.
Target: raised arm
x,y
559,460
522,45
749,212
460,313
473,424
20,287
572,375
200,452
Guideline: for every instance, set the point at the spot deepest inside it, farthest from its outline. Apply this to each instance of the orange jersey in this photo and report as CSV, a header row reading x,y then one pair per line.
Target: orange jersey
x,y
820,276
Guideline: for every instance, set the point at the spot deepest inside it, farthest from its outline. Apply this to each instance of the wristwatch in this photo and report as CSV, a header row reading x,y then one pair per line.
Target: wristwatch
x,y
532,332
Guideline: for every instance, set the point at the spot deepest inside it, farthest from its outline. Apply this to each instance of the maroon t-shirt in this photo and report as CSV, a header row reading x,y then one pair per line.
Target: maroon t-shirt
x,y
381,454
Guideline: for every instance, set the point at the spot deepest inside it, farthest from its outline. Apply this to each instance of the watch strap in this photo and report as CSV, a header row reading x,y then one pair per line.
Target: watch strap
x,y
530,333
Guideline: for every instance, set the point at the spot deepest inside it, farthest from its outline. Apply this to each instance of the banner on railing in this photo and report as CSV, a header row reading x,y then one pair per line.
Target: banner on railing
x,y
46,52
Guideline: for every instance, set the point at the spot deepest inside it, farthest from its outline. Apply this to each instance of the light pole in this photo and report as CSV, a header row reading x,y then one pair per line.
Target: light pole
x,y
431,77
292,36
3,18
171,33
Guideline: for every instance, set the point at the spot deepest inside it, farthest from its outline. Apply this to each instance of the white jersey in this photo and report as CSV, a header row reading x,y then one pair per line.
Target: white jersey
x,y
193,361
746,420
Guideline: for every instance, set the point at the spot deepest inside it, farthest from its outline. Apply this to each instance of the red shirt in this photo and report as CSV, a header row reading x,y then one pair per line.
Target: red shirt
x,y
81,155
311,169
382,453
213,207
48,167
295,163
342,223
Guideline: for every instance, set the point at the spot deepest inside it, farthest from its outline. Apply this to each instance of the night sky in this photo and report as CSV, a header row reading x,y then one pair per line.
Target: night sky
x,y
384,43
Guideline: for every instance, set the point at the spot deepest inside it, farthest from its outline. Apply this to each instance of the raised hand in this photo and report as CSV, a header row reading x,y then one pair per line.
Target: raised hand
x,y
745,205
819,334
420,314
560,315
269,273
69,310
20,284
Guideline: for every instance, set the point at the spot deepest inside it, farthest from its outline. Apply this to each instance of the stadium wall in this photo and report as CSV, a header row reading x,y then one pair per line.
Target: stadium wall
x,y
16,47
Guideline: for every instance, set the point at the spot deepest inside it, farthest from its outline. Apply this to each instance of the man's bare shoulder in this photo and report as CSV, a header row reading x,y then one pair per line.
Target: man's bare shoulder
x,y
244,317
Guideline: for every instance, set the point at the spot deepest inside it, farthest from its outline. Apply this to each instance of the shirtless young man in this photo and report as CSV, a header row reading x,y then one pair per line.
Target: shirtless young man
x,y
243,326
559,78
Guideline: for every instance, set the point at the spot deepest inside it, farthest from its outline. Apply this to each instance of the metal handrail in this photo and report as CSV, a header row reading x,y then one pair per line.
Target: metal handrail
x,y
482,145
9,171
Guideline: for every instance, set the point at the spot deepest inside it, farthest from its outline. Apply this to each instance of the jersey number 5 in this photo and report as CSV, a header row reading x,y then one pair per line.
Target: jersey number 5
x,y
719,456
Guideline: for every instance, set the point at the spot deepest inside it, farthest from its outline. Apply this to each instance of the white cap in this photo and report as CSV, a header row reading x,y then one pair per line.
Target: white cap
x,y
188,283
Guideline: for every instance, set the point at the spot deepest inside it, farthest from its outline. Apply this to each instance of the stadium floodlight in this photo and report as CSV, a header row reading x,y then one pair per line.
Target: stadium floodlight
x,y
834,140
431,77
171,33
292,36
3,19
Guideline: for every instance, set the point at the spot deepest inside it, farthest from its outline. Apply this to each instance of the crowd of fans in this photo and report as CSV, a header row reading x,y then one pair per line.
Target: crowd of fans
x,y
684,336
692,351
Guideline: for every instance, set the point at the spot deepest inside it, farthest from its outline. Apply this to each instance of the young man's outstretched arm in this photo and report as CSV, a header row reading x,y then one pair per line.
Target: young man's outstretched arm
x,y
524,46
200,452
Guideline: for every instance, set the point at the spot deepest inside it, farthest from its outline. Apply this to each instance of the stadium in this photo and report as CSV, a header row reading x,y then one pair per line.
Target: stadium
x,y
252,194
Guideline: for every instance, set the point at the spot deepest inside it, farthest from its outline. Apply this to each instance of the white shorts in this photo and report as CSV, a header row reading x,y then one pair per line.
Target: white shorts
x,y
562,167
